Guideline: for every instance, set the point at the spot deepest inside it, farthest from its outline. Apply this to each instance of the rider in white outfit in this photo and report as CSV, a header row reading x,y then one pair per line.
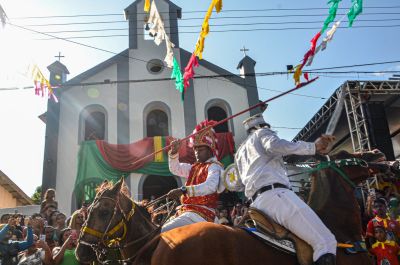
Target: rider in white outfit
x,y
261,169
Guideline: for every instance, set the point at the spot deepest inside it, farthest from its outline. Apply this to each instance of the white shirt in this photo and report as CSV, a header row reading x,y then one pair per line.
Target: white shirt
x,y
183,169
259,159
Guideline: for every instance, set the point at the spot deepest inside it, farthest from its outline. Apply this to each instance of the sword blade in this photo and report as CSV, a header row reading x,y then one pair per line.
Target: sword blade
x,y
336,114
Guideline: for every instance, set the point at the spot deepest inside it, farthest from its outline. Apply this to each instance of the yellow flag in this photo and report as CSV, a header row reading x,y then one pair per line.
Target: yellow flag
x,y
297,74
147,6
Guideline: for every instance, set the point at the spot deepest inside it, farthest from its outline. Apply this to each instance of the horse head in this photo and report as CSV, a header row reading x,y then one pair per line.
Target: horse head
x,y
332,192
107,222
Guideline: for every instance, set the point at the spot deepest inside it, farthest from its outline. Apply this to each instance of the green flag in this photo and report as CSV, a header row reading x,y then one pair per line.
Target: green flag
x,y
332,14
355,10
177,74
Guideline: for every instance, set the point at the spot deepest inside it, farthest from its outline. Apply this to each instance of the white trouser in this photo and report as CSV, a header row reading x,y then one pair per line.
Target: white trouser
x,y
186,218
288,210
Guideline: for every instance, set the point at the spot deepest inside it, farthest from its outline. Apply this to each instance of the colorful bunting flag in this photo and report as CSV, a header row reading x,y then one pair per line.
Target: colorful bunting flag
x,y
146,6
324,43
308,58
158,31
205,28
332,14
177,74
3,16
355,10
42,84
189,71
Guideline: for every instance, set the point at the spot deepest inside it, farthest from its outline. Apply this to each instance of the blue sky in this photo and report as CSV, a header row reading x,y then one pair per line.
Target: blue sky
x,y
22,133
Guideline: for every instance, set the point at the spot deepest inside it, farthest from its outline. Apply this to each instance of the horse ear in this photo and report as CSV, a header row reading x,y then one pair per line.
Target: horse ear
x,y
118,185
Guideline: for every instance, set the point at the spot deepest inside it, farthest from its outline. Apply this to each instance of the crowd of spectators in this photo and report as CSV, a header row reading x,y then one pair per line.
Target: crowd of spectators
x,y
50,237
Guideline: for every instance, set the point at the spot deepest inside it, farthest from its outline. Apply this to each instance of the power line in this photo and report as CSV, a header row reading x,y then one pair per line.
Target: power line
x,y
119,54
203,11
221,31
220,25
201,18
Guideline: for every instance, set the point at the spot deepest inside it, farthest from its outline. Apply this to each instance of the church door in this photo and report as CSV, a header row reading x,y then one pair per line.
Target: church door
x,y
157,186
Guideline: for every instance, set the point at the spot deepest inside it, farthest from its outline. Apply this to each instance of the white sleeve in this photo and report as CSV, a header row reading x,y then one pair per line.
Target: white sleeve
x,y
272,143
210,185
177,168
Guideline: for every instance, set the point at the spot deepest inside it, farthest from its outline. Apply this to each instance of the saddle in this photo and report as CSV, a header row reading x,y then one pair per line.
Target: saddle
x,y
275,235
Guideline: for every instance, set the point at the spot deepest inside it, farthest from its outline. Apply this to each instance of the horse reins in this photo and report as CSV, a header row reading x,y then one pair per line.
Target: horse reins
x,y
105,244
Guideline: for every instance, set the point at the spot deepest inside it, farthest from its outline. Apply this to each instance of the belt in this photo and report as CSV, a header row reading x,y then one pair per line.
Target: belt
x,y
266,188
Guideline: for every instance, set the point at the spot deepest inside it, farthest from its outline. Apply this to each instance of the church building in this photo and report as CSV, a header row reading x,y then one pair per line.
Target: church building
x,y
117,102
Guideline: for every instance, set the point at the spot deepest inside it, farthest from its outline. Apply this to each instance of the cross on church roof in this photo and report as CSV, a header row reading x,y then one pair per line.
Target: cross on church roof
x,y
59,56
244,50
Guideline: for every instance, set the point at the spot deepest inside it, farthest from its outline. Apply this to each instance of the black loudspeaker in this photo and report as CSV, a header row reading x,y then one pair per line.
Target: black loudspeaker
x,y
378,128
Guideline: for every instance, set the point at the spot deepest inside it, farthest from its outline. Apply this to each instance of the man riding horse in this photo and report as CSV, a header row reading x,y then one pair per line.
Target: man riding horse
x,y
261,169
199,195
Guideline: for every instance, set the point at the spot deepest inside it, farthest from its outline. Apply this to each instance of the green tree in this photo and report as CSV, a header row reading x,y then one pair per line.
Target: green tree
x,y
37,196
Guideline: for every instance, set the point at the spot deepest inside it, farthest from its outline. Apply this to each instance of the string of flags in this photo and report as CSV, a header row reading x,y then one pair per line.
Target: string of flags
x,y
355,10
198,52
41,84
158,31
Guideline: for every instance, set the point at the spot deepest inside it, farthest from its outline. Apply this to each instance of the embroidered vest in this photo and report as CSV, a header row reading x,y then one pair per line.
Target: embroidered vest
x,y
198,174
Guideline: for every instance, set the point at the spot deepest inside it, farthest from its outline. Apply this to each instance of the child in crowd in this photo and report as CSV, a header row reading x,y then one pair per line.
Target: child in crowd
x,y
49,201
384,250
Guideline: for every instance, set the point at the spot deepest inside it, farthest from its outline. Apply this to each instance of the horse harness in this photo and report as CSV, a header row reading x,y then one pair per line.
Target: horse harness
x,y
115,243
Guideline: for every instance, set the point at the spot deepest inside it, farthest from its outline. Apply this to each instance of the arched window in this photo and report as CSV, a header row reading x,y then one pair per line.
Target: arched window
x,y
95,126
92,123
217,114
157,123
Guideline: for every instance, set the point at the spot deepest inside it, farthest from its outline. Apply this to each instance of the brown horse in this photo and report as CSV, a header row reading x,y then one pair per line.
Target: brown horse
x,y
114,219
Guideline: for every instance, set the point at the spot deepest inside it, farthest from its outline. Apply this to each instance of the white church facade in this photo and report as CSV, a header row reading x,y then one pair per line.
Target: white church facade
x,y
106,103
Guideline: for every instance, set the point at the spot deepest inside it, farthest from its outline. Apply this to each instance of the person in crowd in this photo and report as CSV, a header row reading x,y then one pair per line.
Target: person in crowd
x,y
64,254
384,250
52,218
261,168
9,249
37,254
49,200
60,224
38,224
236,210
223,217
199,196
50,235
4,218
77,220
382,219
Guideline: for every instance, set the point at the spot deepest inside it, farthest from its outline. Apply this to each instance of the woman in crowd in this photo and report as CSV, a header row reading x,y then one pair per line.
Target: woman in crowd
x,y
77,220
65,253
38,254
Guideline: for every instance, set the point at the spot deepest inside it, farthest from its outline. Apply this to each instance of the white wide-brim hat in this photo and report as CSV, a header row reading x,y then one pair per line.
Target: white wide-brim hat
x,y
254,121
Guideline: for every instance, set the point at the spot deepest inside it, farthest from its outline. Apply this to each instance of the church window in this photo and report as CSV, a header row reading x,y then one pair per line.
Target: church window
x,y
157,123
95,126
155,66
217,114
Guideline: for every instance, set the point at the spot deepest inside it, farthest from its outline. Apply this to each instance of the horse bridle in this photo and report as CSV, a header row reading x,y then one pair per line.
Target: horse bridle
x,y
101,247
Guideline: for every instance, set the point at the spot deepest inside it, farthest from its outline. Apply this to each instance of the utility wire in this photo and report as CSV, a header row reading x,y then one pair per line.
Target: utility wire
x,y
221,25
219,31
202,18
203,11
118,54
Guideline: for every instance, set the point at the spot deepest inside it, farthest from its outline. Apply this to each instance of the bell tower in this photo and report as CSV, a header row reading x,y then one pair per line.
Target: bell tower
x,y
138,26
